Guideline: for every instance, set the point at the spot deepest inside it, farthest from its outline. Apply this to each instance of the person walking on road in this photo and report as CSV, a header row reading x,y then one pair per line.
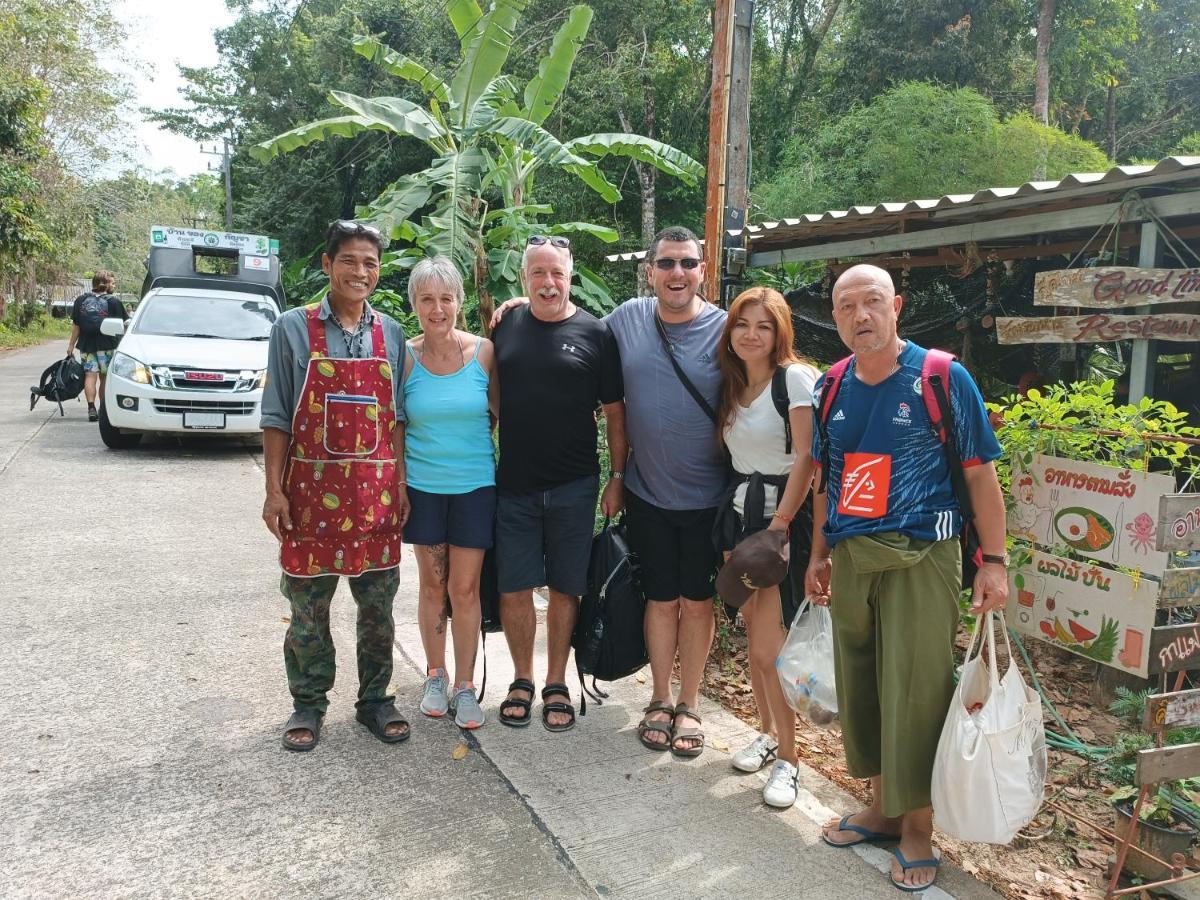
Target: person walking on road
x,y
556,364
334,462
773,469
95,349
450,396
886,558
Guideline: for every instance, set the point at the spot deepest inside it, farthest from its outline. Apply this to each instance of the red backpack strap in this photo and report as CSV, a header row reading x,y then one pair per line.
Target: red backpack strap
x,y
833,383
937,362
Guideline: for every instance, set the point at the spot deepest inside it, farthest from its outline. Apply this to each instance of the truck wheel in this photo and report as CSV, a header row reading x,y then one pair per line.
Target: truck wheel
x,y
114,438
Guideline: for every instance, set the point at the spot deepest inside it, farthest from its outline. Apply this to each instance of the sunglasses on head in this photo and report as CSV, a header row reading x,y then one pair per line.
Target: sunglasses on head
x,y
666,264
536,240
344,226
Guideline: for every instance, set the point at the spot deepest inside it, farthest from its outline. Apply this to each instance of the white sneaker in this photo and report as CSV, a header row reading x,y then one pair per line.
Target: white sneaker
x,y
756,754
782,785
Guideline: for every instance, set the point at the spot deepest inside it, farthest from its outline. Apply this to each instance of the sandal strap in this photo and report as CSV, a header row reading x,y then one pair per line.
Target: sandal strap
x,y
659,706
906,864
558,688
683,710
558,708
518,702
523,684
660,727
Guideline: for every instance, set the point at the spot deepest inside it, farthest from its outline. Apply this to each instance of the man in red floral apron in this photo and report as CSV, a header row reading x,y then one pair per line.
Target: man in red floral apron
x,y
335,473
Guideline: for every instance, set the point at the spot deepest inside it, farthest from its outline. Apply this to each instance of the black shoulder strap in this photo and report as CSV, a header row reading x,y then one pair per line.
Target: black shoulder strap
x,y
958,481
779,396
684,380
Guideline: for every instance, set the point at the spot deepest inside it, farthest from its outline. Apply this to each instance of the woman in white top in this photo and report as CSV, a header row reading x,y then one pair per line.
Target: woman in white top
x,y
770,446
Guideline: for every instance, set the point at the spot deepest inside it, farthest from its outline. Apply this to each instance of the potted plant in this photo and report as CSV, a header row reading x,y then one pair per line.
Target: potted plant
x,y
1162,831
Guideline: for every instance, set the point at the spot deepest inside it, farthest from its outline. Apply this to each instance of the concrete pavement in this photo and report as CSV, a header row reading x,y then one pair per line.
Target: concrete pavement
x,y
144,695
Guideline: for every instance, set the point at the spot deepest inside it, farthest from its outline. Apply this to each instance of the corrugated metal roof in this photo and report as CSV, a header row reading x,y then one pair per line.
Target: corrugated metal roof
x,y
997,199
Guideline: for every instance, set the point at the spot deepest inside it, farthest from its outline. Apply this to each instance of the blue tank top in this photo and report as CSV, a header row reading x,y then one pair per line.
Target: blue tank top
x,y
448,438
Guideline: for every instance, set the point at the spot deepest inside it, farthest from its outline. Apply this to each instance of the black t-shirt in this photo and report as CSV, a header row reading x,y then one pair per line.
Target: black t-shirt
x,y
552,377
91,343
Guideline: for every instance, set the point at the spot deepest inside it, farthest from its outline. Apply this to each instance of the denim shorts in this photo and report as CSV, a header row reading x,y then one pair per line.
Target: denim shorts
x,y
460,520
545,538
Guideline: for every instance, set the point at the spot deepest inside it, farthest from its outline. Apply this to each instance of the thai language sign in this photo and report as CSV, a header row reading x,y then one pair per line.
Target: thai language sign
x,y
1116,287
1101,512
1096,328
1091,611
186,238
1179,522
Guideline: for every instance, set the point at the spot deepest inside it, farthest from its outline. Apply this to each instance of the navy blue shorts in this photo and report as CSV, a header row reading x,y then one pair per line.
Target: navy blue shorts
x,y
545,538
460,520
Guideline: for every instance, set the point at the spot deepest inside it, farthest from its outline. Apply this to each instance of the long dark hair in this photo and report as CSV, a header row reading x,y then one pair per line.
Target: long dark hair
x,y
733,370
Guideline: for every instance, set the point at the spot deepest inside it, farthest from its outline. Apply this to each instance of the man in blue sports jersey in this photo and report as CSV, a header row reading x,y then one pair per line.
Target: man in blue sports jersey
x,y
886,558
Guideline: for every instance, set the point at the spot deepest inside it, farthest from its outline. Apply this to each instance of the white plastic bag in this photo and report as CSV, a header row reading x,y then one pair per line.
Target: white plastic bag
x,y
990,768
805,665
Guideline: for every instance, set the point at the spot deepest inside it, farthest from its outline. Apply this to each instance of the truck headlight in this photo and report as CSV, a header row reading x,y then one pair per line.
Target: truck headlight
x,y
125,366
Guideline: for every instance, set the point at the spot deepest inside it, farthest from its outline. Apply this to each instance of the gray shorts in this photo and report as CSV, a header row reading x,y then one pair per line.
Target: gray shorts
x,y
545,538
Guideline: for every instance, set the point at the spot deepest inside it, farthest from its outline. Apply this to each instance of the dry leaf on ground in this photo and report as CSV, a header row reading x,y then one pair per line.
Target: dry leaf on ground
x,y
459,752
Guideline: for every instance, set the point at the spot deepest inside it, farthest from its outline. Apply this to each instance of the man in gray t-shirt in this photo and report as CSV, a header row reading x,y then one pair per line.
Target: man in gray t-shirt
x,y
676,476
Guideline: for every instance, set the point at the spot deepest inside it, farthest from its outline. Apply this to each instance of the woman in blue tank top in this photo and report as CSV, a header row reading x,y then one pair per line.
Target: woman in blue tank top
x,y
450,400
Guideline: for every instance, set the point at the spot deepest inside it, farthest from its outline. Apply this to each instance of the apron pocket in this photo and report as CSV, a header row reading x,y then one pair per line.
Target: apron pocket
x,y
351,424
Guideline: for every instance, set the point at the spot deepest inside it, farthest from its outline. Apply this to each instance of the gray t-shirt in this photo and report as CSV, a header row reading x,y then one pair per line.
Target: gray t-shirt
x,y
288,355
674,459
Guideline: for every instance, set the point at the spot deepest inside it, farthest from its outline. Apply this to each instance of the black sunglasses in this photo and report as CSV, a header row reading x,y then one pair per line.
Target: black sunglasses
x,y
536,240
344,226
666,264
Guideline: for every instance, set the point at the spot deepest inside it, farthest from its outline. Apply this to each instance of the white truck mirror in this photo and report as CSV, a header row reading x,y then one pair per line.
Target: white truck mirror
x,y
113,327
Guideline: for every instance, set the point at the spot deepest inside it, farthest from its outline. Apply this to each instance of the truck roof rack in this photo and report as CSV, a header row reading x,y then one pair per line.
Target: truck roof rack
x,y
224,261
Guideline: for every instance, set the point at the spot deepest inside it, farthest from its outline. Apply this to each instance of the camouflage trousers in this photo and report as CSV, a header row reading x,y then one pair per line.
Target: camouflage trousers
x,y
308,647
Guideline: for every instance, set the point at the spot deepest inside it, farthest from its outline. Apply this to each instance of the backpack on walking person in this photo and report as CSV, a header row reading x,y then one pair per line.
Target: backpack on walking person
x,y
93,310
609,637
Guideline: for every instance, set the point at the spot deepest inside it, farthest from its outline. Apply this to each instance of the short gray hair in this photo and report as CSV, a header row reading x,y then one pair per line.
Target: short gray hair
x,y
435,268
530,247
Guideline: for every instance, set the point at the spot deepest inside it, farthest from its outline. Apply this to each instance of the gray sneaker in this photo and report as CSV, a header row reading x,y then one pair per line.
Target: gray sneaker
x,y
435,701
467,713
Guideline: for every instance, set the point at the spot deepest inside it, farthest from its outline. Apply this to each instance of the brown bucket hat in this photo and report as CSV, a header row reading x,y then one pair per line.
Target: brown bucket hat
x,y
760,561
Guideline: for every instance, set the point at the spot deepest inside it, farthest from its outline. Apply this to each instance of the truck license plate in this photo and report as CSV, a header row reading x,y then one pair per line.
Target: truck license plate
x,y
206,420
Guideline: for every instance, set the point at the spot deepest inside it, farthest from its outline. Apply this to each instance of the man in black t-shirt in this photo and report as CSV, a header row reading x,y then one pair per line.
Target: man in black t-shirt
x,y
95,349
556,364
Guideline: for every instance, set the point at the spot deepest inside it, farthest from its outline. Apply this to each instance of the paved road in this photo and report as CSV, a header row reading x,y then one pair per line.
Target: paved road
x,y
144,693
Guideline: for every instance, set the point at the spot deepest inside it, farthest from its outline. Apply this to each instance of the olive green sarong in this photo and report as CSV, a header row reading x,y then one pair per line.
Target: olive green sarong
x,y
894,601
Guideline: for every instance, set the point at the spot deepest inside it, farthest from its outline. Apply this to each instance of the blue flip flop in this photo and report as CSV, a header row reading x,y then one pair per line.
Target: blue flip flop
x,y
867,836
905,865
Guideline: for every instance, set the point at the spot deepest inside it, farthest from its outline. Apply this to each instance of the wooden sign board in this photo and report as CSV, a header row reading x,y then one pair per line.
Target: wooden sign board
x,y
1090,611
1167,764
1174,648
1180,587
1179,522
1167,711
1098,511
1096,328
1116,287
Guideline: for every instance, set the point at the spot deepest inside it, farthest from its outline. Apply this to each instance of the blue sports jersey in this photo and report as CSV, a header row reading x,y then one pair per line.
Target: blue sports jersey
x,y
887,468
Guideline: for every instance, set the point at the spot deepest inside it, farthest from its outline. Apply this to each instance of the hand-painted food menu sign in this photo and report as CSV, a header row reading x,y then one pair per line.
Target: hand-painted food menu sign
x,y
1089,610
1116,287
1096,328
1166,711
1174,648
1180,587
1179,522
1101,512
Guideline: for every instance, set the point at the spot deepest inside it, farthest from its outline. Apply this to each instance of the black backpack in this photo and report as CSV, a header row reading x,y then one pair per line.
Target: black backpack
x,y
92,313
61,381
609,637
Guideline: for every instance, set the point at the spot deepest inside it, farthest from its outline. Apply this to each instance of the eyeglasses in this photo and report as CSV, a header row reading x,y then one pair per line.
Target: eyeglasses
x,y
536,240
344,226
666,264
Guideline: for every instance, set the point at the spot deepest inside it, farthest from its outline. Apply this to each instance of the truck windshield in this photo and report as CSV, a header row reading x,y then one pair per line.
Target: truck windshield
x,y
227,318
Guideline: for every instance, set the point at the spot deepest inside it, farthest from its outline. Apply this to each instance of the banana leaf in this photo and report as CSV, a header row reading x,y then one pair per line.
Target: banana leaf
x,y
402,67
338,126
544,90
647,150
485,55
399,115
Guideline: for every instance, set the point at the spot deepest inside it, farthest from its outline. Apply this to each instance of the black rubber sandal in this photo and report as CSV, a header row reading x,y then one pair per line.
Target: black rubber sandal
x,y
686,733
520,684
303,720
557,706
648,725
378,718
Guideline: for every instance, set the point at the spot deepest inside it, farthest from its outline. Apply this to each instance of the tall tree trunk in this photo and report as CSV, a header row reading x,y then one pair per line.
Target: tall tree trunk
x,y
1110,118
647,183
1041,95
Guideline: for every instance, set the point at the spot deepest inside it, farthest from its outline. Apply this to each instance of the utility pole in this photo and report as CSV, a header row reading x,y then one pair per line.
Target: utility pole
x,y
728,196
225,155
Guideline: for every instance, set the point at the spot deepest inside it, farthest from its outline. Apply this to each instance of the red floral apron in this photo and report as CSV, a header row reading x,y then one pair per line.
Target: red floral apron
x,y
340,478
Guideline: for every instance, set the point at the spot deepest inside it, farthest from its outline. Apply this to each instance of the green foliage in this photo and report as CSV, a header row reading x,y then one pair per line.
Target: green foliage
x,y
915,141
1189,146
1082,421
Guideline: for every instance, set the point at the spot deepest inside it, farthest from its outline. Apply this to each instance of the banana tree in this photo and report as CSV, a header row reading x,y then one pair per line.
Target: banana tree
x,y
474,202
